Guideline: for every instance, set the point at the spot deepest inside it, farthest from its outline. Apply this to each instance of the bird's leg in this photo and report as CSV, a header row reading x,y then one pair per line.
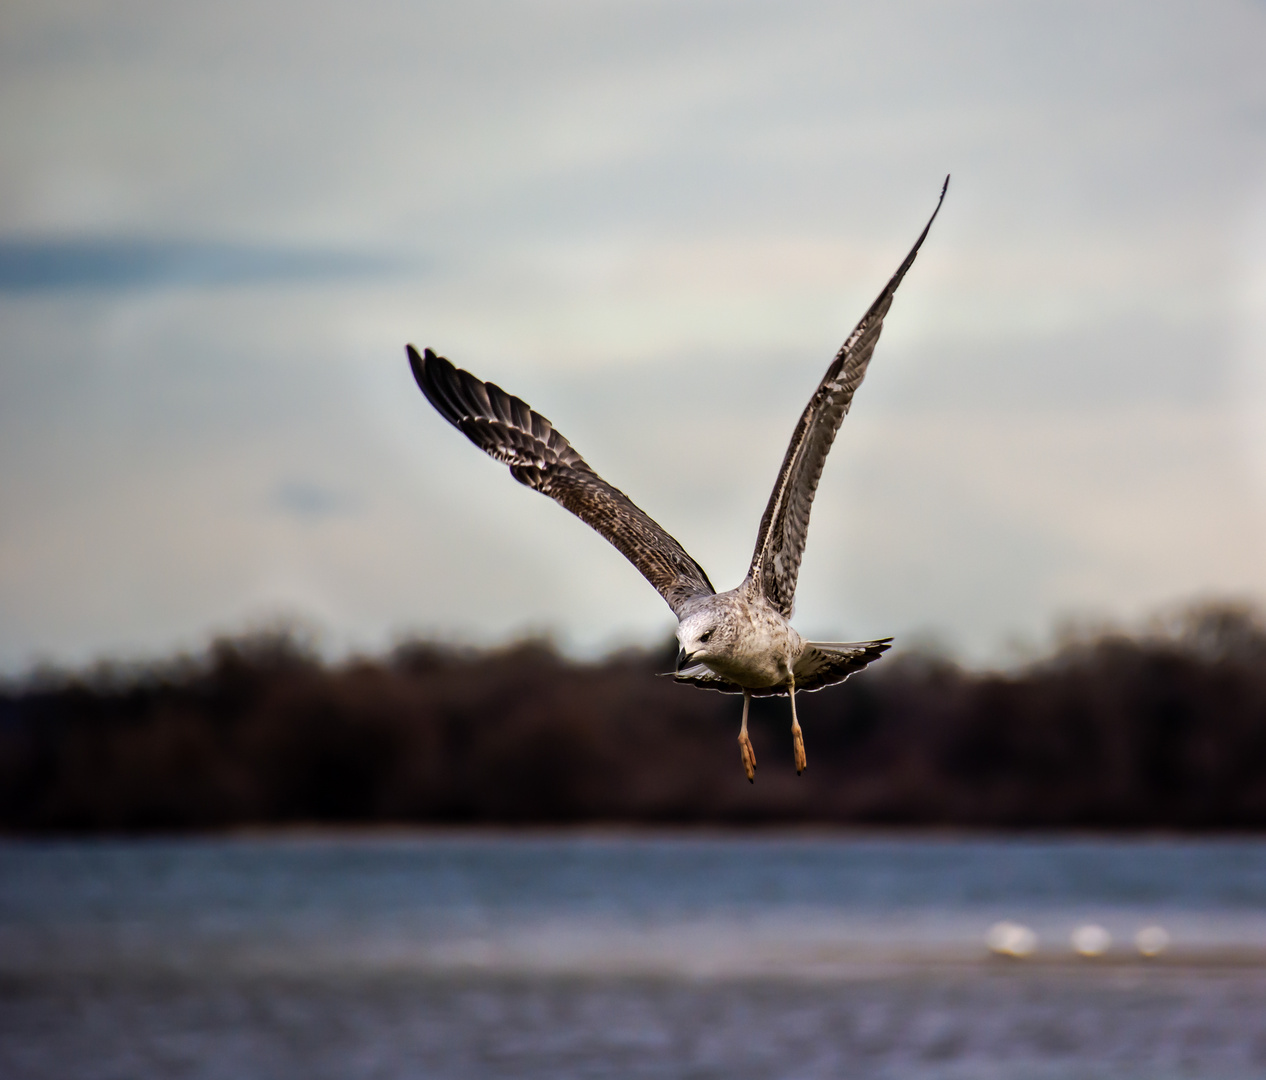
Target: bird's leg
x,y
745,744
797,737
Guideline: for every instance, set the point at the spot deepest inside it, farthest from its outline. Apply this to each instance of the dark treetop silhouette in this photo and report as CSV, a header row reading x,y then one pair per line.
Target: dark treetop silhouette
x,y
740,641
1167,729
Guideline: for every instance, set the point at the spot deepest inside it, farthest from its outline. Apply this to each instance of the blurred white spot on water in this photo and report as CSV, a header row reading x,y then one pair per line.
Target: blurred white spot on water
x,y
1091,940
1152,940
1011,939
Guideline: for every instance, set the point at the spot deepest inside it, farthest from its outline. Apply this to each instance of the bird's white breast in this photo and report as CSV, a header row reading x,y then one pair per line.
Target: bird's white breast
x,y
764,648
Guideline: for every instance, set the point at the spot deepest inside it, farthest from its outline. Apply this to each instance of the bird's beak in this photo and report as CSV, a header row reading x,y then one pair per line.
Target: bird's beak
x,y
684,659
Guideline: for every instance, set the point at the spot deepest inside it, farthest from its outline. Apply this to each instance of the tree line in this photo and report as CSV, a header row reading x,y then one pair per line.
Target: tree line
x,y
1162,728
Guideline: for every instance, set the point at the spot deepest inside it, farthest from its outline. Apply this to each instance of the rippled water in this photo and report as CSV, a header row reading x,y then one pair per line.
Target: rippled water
x,y
473,955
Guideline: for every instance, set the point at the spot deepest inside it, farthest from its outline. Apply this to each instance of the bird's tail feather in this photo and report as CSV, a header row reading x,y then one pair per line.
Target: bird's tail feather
x,y
822,664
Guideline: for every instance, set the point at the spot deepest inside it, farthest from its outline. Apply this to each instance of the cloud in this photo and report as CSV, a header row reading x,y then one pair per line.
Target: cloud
x,y
307,500
40,265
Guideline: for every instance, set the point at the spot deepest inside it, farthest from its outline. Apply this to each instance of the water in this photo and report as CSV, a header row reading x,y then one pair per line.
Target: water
x,y
487,955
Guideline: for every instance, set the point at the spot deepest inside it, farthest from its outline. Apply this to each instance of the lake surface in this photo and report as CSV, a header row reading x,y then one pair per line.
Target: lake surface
x,y
642,955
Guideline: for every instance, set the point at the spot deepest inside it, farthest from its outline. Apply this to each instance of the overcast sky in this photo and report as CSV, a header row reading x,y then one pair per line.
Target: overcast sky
x,y
219,224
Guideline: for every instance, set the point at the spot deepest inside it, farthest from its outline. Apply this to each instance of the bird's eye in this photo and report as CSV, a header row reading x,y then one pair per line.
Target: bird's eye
x,y
705,635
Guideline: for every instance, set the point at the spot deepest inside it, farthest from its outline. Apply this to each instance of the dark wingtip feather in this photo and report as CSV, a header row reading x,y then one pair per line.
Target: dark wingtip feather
x,y
433,374
909,261
416,363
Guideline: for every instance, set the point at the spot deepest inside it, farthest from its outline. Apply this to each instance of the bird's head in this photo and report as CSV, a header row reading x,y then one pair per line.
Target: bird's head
x,y
703,636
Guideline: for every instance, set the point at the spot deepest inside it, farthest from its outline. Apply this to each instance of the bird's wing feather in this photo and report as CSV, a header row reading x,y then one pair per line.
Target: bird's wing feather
x,y
504,427
785,524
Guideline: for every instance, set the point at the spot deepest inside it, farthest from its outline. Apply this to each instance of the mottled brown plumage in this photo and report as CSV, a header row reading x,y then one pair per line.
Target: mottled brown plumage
x,y
506,428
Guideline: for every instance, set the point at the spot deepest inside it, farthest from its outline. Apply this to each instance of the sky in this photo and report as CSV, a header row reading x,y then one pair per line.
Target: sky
x,y
655,222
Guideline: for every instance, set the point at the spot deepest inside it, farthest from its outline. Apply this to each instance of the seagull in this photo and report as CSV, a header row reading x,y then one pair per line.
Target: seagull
x,y
738,642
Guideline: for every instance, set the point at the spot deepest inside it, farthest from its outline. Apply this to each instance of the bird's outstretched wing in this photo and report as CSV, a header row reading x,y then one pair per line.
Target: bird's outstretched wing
x,y
785,524
505,427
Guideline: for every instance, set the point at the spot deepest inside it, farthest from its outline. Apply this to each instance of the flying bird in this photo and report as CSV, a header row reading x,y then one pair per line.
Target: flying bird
x,y
740,641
